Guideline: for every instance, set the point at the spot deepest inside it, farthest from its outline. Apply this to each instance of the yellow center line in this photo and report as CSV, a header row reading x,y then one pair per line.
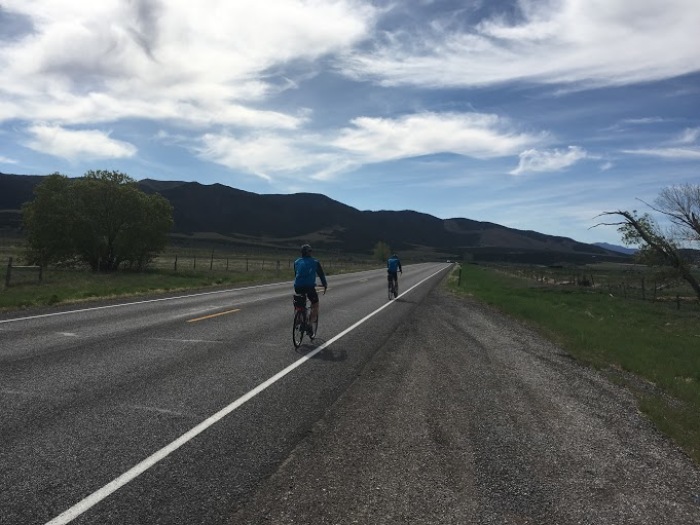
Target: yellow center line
x,y
213,315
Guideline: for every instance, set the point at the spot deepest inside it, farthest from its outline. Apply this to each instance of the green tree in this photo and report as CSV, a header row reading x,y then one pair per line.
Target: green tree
x,y
101,219
681,206
381,251
49,221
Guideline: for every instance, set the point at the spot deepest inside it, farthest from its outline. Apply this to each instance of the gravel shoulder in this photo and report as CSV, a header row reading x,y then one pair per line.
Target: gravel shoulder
x,y
465,416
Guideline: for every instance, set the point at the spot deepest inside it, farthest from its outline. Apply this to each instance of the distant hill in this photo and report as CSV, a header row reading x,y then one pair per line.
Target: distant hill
x,y
616,248
221,214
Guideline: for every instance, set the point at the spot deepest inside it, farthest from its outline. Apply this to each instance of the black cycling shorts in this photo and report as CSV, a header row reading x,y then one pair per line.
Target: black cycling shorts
x,y
309,291
392,276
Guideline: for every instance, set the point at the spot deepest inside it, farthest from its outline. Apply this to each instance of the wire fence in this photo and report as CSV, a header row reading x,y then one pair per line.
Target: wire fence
x,y
22,273
198,263
627,281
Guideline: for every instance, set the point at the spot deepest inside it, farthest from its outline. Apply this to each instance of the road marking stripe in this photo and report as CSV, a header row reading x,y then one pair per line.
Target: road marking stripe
x,y
52,314
174,340
213,315
114,485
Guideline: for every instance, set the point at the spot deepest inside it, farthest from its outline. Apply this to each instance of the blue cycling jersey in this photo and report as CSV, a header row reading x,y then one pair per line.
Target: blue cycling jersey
x,y
393,264
305,270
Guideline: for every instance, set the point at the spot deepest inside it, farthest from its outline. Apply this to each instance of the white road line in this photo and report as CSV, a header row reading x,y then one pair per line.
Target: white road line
x,y
53,314
16,393
114,485
156,409
173,340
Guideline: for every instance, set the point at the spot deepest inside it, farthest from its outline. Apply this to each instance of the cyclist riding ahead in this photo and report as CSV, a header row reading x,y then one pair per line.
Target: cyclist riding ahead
x,y
306,268
393,265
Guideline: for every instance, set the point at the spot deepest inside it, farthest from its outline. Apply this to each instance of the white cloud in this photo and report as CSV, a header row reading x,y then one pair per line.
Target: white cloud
x,y
262,155
594,42
195,62
367,141
7,160
533,160
681,147
76,144
689,136
667,153
475,135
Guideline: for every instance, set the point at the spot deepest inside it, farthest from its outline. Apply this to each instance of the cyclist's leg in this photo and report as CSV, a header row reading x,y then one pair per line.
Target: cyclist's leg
x,y
313,297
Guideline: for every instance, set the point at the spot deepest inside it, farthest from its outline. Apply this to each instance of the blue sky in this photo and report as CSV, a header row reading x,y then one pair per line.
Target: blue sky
x,y
533,114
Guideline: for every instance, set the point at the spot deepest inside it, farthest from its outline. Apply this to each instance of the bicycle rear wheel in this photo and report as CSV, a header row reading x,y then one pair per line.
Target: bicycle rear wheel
x,y
298,328
396,289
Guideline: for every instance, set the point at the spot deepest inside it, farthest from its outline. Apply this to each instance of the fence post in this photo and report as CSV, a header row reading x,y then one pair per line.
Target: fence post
x,y
41,272
175,265
211,262
9,271
194,262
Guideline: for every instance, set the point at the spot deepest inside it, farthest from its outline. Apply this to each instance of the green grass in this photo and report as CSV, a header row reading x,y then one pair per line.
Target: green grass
x,y
653,341
74,286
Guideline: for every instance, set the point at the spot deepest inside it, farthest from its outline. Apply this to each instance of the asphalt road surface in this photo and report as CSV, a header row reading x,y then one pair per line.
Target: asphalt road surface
x,y
426,409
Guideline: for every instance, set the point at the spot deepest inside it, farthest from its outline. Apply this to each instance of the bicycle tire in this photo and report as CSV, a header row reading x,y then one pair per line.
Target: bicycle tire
x,y
298,328
396,290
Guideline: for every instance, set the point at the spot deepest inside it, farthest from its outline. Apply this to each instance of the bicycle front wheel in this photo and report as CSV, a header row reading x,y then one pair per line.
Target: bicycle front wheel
x,y
298,329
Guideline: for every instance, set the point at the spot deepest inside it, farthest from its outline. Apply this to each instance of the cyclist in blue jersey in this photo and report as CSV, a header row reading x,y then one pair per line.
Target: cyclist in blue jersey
x,y
306,268
393,267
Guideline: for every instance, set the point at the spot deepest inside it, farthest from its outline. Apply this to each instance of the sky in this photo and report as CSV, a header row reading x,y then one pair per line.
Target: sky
x,y
533,114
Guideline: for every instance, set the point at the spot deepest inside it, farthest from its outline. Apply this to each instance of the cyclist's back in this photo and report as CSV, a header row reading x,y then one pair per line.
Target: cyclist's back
x,y
393,264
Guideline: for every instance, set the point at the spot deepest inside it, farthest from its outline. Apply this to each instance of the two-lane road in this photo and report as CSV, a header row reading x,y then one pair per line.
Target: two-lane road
x,y
173,410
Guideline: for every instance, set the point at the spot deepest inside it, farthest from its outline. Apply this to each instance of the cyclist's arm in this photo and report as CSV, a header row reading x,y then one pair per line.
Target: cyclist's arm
x,y
321,274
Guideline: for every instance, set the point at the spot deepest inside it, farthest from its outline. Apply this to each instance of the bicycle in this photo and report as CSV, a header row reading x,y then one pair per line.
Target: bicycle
x,y
393,287
302,312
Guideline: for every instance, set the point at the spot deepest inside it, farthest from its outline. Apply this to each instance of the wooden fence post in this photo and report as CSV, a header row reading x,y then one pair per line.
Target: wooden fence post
x,y
175,265
9,271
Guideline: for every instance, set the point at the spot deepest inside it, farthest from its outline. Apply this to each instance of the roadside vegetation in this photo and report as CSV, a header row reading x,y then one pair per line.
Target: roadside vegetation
x,y
178,268
651,347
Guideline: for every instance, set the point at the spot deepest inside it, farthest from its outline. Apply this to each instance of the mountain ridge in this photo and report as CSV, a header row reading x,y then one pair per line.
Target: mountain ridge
x,y
284,221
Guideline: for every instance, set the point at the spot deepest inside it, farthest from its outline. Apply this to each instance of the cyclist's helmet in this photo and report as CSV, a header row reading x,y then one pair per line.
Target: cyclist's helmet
x,y
305,250
395,256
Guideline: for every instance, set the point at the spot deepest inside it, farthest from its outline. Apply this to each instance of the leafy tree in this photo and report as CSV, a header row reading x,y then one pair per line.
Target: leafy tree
x,y
101,219
49,220
381,251
681,205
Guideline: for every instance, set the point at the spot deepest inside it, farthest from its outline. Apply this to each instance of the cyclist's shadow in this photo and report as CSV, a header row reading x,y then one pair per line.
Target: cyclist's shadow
x,y
327,354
